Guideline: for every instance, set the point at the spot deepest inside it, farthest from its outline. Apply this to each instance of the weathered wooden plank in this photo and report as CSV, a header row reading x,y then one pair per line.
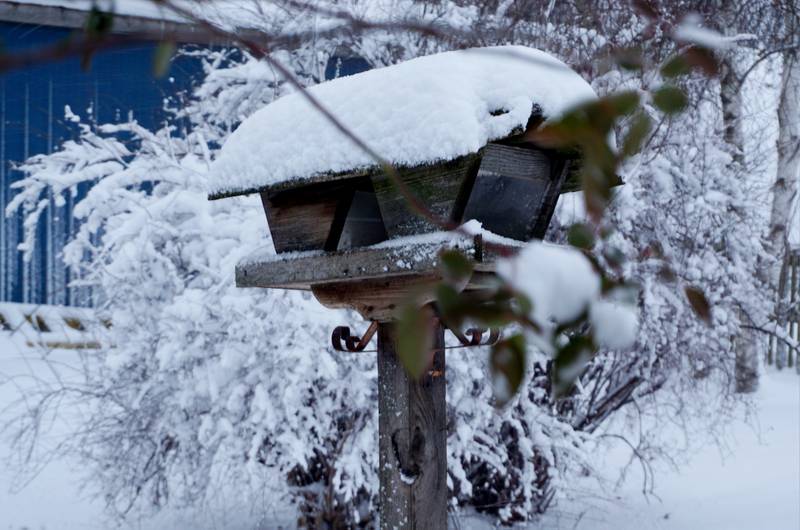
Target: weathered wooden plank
x,y
379,298
510,190
298,223
412,426
312,217
304,270
437,186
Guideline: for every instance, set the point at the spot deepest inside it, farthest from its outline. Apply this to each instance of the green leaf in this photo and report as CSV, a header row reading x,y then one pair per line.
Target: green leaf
x,y
495,306
624,102
696,57
456,268
629,58
162,57
415,339
523,304
699,303
637,133
451,305
507,364
669,99
580,236
569,362
675,66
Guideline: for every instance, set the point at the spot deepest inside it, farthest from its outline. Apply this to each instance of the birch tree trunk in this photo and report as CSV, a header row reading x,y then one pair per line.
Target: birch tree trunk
x,y
749,345
785,188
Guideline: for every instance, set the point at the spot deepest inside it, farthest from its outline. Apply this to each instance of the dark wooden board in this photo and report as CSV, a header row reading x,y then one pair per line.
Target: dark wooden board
x,y
412,438
510,189
310,217
300,225
438,187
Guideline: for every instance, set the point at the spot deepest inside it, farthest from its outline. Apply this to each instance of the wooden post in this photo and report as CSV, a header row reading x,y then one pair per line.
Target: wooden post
x,y
412,424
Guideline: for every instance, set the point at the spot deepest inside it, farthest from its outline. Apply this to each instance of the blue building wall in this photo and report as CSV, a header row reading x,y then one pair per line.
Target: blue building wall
x,y
32,103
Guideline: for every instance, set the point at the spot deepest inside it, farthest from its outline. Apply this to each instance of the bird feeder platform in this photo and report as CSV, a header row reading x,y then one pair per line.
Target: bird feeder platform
x,y
374,280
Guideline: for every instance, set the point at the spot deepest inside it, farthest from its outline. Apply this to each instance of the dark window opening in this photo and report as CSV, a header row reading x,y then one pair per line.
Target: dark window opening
x,y
364,223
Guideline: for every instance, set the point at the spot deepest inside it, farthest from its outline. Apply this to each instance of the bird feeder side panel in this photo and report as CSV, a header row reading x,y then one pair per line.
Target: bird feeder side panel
x,y
310,217
438,187
515,191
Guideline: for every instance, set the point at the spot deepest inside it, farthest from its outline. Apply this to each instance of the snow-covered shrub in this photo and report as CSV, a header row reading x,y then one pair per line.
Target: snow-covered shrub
x,y
198,378
202,386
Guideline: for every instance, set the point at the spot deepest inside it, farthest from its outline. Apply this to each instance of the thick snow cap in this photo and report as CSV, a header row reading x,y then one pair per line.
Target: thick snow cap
x,y
426,110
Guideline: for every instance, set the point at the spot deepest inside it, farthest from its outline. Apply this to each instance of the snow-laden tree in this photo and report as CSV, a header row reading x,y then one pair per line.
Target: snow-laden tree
x,y
203,386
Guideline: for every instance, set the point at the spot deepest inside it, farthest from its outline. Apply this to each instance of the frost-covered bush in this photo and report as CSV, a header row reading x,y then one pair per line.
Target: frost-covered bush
x,y
197,378
202,387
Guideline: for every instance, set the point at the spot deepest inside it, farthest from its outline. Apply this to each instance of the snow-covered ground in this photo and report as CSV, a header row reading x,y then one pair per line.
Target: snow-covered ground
x,y
753,484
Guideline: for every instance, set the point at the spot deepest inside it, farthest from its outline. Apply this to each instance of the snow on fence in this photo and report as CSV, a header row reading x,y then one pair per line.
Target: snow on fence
x,y
791,323
52,327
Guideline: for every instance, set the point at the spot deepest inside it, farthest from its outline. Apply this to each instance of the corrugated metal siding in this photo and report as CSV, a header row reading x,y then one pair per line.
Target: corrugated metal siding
x,y
32,121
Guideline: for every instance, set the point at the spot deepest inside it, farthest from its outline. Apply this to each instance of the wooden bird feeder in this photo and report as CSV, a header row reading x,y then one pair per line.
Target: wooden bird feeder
x,y
361,246
511,186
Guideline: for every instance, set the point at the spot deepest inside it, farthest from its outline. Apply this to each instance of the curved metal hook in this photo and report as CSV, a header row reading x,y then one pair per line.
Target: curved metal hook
x,y
341,340
476,336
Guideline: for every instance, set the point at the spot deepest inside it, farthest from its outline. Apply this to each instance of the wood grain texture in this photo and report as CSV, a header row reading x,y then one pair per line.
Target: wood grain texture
x,y
376,299
437,186
379,298
412,425
361,264
311,217
509,191
300,224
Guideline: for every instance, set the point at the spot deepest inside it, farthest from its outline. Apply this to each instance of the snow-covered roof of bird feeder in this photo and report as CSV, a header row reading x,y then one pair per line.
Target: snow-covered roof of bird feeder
x,y
453,124
423,111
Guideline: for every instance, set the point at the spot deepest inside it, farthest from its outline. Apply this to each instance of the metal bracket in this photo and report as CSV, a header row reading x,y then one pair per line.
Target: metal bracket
x,y
476,336
341,340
